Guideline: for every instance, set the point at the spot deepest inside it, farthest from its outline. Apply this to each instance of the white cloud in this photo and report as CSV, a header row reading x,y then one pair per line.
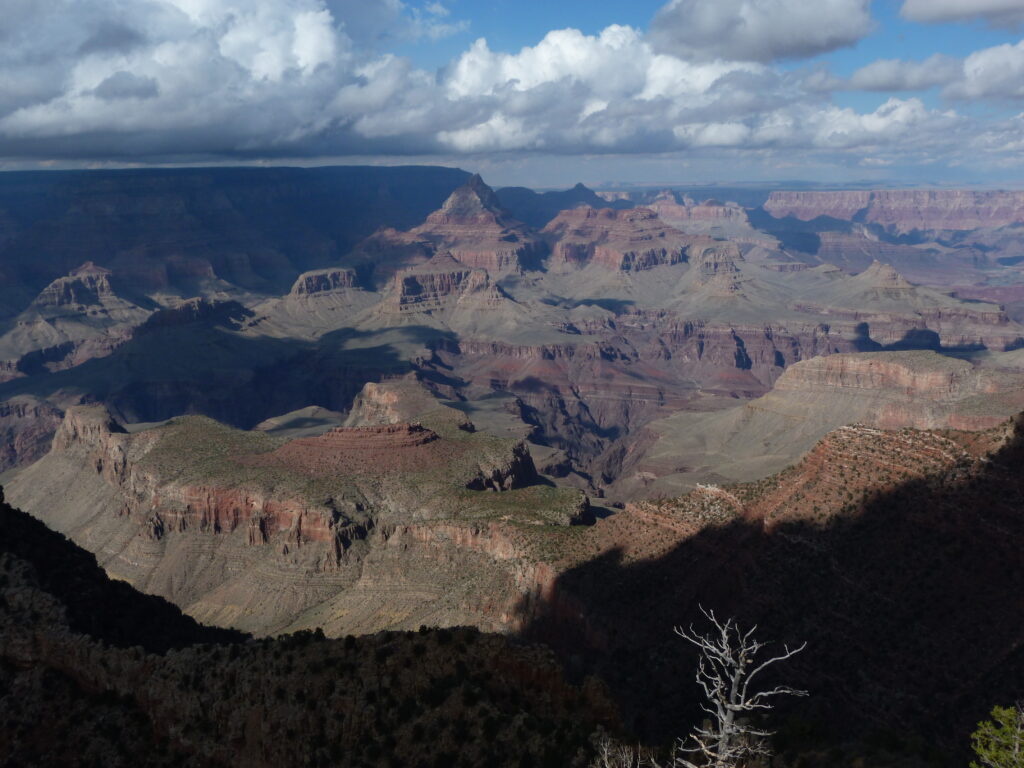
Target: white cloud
x,y
612,63
758,30
992,73
897,75
172,79
895,119
996,12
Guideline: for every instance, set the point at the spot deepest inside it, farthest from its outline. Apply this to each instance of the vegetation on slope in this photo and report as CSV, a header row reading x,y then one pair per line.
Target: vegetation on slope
x,y
93,673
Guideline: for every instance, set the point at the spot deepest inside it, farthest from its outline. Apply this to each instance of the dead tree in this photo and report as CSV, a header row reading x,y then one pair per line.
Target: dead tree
x,y
613,754
730,662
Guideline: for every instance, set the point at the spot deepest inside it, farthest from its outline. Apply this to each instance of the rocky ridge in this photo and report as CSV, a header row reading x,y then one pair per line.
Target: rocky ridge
x,y
310,514
874,531
888,390
616,239
903,211
474,228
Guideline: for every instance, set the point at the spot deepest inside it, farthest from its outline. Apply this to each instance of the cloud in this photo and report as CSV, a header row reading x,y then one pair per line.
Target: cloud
x,y
992,73
996,12
896,75
758,30
178,80
125,85
222,77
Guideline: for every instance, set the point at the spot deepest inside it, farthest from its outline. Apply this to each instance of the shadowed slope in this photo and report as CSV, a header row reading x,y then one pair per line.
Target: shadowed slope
x,y
895,555
81,683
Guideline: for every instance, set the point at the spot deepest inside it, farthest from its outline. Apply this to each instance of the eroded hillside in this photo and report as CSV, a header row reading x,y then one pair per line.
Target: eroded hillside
x,y
93,673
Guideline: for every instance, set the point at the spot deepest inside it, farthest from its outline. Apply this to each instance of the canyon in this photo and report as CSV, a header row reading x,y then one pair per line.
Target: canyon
x,y
592,339
368,400
93,670
348,529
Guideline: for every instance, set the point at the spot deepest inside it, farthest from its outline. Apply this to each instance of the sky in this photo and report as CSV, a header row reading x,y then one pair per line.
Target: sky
x,y
539,93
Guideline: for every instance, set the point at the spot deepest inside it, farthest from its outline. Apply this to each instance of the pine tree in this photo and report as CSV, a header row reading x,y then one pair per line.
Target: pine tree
x,y
999,742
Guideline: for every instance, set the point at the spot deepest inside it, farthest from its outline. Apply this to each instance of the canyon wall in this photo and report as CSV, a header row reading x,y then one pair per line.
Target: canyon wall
x,y
903,211
243,530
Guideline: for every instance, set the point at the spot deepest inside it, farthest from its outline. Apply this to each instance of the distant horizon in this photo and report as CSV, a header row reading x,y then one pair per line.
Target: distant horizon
x,y
599,186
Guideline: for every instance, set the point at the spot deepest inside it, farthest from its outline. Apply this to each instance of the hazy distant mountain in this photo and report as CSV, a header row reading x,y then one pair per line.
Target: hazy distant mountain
x,y
538,208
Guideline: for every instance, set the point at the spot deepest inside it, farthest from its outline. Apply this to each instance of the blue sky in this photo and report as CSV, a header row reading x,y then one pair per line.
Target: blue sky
x,y
528,92
510,25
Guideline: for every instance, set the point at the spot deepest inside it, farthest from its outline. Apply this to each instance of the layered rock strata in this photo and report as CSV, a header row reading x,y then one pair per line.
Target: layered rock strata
x,y
625,240
474,228
903,211
323,281
286,529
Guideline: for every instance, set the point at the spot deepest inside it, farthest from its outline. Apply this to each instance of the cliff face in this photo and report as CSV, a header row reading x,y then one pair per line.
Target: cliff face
x,y
86,285
443,284
892,374
882,390
912,389
27,425
74,319
324,281
689,212
474,228
624,240
282,528
430,286
903,211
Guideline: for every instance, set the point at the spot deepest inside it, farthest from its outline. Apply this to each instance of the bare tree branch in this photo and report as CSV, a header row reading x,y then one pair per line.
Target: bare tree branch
x,y
729,661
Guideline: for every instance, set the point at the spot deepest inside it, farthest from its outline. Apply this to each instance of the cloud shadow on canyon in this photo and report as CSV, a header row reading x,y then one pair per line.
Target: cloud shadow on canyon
x,y
209,369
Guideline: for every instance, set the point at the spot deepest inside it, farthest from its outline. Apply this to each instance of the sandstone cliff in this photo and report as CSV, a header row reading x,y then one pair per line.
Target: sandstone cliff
x,y
889,390
903,211
475,229
283,527
616,239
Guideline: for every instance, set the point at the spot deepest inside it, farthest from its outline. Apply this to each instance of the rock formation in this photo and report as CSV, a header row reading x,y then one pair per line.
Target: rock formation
x,y
887,390
310,514
474,228
903,211
86,285
689,213
616,239
74,319
324,280
27,425
185,231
